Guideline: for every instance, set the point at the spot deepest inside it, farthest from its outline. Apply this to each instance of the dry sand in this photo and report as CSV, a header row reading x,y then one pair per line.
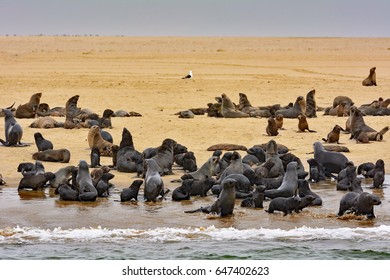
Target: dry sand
x,y
144,75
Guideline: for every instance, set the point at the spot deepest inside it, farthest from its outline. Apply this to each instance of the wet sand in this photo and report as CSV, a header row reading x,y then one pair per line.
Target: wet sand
x,y
144,75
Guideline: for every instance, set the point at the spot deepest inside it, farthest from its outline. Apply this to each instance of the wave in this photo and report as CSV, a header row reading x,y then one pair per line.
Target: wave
x,y
26,235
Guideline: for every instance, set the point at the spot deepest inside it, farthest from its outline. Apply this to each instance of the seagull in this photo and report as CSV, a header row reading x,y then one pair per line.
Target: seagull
x,y
189,76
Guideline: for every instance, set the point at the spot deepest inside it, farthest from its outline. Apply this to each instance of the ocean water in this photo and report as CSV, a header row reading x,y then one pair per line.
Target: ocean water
x,y
38,226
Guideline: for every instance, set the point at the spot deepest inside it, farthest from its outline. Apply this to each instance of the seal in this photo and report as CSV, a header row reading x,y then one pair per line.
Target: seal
x,y
62,176
224,205
235,167
59,155
164,157
303,125
305,202
41,143
103,186
279,121
187,114
201,187
371,79
2,182
311,105
346,177
35,182
342,98
359,204
207,170
127,155
314,172
28,110
95,157
226,147
334,135
182,192
273,163
256,155
284,204
358,123
304,190
154,185
298,109
228,110
187,160
67,193
256,199
13,131
87,192
289,157
379,174
366,169
95,139
46,123
328,161
289,186
245,106
360,136
272,127
131,192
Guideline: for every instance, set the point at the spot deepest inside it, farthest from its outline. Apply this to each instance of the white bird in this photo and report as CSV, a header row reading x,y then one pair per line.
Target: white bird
x,y
189,76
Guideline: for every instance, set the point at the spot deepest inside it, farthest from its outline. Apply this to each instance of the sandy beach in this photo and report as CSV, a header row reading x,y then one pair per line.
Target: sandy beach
x,y
145,75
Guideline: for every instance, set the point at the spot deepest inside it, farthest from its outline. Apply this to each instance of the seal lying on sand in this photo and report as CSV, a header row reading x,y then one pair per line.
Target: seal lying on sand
x,y
224,205
46,123
29,109
60,155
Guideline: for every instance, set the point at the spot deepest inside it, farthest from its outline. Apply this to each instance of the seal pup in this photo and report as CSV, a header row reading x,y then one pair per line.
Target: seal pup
x,y
154,185
60,155
379,174
256,199
87,192
228,110
131,192
164,157
67,193
25,167
95,157
13,130
272,127
314,172
35,182
126,155
182,192
284,204
304,190
224,205
311,105
279,121
95,139
359,204
28,110
371,79
303,124
366,169
103,186
344,181
328,161
41,143
334,135
105,120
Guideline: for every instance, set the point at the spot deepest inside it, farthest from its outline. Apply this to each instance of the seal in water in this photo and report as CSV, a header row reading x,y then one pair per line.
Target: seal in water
x,y
289,186
154,185
284,204
87,192
224,205
131,192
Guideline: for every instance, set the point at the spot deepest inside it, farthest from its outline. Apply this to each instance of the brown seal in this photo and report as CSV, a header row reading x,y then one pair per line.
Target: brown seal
x,y
228,110
311,105
357,123
272,127
95,139
245,106
28,110
60,155
279,121
226,147
334,135
360,136
2,182
298,108
338,99
303,125
46,122
371,79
